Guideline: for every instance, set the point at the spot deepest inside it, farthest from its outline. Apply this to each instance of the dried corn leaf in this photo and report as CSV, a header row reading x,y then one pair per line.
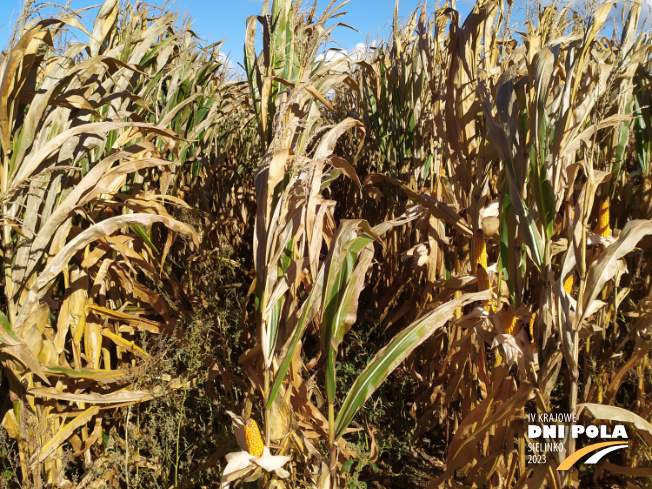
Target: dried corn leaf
x,y
62,435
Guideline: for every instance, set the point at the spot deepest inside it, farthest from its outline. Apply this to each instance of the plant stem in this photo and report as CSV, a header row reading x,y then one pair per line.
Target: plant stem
x,y
267,410
333,466
176,463
127,447
331,443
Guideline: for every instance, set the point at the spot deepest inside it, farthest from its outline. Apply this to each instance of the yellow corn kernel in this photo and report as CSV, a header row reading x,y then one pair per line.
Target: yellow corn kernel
x,y
255,443
480,249
491,305
568,284
532,318
485,284
483,278
603,228
508,317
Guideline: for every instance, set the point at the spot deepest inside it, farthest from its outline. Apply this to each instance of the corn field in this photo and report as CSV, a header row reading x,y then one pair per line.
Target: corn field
x,y
365,270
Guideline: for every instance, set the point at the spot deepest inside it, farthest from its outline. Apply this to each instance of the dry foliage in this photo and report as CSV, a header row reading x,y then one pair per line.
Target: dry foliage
x,y
470,204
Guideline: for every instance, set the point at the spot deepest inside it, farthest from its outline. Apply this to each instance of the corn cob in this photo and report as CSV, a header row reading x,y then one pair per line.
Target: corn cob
x,y
254,440
483,278
480,249
485,284
508,317
568,284
603,228
532,318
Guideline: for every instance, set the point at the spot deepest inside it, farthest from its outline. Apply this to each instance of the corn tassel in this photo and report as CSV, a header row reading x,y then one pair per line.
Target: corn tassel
x,y
255,443
603,228
480,249
510,324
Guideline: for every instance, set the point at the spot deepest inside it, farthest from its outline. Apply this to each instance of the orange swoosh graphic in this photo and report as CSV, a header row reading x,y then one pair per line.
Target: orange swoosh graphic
x,y
570,461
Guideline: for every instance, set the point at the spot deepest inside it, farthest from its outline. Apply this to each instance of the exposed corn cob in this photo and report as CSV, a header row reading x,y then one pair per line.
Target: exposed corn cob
x,y
480,249
603,228
254,440
568,284
508,317
483,278
532,318
485,284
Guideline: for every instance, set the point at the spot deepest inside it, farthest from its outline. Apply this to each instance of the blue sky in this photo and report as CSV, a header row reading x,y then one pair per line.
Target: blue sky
x,y
217,19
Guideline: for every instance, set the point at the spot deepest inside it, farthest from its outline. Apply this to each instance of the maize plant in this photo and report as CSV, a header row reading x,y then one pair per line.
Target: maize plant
x,y
429,241
86,225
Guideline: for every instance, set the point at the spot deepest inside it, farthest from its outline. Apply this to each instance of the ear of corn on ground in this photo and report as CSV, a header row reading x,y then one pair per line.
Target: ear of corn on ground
x,y
255,443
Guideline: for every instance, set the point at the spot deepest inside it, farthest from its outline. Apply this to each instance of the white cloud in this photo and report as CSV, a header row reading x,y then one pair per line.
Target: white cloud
x,y
331,55
363,50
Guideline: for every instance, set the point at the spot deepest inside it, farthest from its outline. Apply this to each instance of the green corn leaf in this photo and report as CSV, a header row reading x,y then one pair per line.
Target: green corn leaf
x,y
307,313
543,192
315,299
4,322
503,259
141,232
343,287
390,357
